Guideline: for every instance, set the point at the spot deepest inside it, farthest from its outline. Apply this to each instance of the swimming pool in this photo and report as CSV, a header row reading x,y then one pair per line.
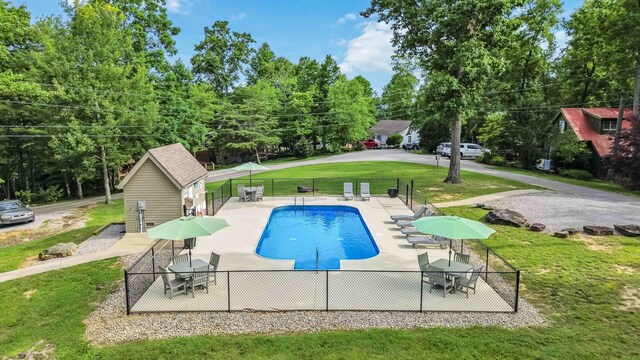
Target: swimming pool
x,y
337,232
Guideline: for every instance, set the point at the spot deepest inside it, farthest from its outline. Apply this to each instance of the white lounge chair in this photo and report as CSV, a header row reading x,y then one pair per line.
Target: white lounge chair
x,y
348,191
418,214
365,194
416,240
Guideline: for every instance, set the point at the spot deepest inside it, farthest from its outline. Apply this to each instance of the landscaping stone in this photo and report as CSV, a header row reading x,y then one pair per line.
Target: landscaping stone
x,y
598,230
571,231
305,189
628,230
506,217
561,234
537,227
58,251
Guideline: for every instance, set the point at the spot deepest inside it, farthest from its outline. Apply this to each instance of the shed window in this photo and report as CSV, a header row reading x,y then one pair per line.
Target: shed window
x,y
608,125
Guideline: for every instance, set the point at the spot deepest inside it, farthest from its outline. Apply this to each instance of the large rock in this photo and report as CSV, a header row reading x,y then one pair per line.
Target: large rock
x,y
597,230
537,227
628,230
571,231
506,217
561,234
58,250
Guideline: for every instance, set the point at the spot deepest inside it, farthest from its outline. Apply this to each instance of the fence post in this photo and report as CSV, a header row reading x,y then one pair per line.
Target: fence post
x,y
153,263
327,290
486,268
421,288
406,200
273,187
398,184
515,308
313,187
356,186
228,291
126,291
213,202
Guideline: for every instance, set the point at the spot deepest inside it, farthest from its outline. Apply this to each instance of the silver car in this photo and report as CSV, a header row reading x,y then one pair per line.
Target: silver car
x,y
14,211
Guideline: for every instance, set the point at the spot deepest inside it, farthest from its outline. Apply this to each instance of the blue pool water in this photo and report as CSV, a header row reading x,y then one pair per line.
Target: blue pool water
x,y
338,232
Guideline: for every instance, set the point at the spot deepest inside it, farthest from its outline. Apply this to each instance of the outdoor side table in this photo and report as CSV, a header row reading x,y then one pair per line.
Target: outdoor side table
x,y
184,271
252,192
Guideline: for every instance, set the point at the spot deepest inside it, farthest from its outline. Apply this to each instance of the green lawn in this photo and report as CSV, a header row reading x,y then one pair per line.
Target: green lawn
x,y
575,286
595,184
97,216
330,178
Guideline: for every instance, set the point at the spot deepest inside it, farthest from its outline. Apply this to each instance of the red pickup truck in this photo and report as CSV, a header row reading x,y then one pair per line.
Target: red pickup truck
x,y
370,144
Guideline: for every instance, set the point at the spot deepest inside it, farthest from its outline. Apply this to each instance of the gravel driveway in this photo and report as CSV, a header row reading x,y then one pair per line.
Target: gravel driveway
x,y
558,210
53,217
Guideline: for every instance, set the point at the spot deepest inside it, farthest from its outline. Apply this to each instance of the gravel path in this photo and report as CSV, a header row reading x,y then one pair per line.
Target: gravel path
x,y
54,220
558,210
102,241
110,325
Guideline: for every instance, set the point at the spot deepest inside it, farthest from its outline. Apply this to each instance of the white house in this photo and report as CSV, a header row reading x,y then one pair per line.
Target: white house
x,y
384,128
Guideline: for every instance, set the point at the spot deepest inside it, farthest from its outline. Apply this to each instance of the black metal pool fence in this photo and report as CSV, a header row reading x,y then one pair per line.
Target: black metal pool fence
x,y
405,191
321,290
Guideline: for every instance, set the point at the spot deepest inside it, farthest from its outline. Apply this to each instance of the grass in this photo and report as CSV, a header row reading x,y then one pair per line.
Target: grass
x,y
594,184
427,179
577,285
11,257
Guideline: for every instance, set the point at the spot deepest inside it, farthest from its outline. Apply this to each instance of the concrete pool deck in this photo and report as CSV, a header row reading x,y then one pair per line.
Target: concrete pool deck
x,y
307,290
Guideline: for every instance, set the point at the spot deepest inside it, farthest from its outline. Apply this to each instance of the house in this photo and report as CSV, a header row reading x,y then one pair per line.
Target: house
x,y
595,126
165,183
385,128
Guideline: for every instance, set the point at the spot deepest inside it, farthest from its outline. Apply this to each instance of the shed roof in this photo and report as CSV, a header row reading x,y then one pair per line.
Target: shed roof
x,y
175,162
390,127
577,119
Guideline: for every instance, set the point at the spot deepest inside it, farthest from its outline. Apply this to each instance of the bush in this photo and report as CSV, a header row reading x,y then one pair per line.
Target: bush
x,y
50,194
484,158
498,160
577,174
26,196
302,149
357,147
394,140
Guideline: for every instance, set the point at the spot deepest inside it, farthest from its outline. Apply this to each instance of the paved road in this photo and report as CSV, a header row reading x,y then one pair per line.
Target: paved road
x,y
73,204
469,165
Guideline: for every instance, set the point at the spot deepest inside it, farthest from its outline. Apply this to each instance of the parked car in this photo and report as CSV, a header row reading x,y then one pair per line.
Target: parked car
x,y
411,146
14,211
466,150
441,148
371,144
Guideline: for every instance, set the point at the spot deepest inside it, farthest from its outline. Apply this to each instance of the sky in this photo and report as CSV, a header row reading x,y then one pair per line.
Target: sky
x,y
293,28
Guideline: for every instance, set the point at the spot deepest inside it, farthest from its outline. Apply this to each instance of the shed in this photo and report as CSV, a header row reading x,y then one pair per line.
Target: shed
x,y
164,184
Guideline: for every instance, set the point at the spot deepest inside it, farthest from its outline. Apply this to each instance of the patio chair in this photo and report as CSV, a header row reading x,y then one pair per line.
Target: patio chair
x,y
200,278
242,194
416,240
348,191
213,266
404,223
464,285
183,258
410,231
418,214
259,193
435,277
172,285
423,261
365,193
461,258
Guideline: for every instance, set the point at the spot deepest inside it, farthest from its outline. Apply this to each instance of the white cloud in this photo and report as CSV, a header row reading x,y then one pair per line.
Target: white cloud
x,y
371,50
347,17
238,17
178,6
73,2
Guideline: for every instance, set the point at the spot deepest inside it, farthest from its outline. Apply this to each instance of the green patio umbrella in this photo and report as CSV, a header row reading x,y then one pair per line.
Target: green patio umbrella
x,y
452,227
187,227
250,166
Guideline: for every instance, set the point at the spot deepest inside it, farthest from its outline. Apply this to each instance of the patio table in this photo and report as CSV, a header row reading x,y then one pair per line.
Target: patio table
x,y
455,269
184,271
252,192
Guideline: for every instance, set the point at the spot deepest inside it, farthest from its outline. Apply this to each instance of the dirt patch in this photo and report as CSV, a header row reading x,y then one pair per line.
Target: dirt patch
x,y
542,271
630,299
49,224
593,243
442,196
434,189
29,293
626,269
40,351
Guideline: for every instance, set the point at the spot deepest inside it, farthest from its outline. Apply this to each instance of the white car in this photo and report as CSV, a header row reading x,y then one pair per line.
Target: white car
x,y
466,150
441,148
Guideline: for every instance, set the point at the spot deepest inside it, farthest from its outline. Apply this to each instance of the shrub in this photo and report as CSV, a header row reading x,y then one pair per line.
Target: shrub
x,y
357,147
577,174
26,196
302,149
50,194
498,160
394,140
484,158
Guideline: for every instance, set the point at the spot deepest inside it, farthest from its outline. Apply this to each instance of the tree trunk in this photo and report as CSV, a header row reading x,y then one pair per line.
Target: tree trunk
x,y
67,186
105,176
585,89
616,139
453,177
79,186
257,156
636,91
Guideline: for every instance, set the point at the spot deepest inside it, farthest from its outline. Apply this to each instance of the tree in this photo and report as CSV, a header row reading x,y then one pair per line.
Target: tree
x,y
569,152
261,65
351,114
221,56
454,43
627,161
398,96
394,140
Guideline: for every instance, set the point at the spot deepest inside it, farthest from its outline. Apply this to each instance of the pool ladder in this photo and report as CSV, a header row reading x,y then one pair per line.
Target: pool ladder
x,y
317,258
295,201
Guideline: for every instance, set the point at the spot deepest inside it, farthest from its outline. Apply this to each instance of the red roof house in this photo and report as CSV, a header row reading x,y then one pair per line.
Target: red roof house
x,y
595,126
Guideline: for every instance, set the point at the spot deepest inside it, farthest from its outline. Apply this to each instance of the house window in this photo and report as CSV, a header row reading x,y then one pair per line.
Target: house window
x,y
409,138
608,125
563,126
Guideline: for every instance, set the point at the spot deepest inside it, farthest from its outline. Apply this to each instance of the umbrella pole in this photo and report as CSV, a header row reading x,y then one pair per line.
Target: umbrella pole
x,y
250,179
450,243
190,256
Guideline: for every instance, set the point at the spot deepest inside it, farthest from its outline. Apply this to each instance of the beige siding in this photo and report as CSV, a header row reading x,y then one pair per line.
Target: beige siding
x,y
163,199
